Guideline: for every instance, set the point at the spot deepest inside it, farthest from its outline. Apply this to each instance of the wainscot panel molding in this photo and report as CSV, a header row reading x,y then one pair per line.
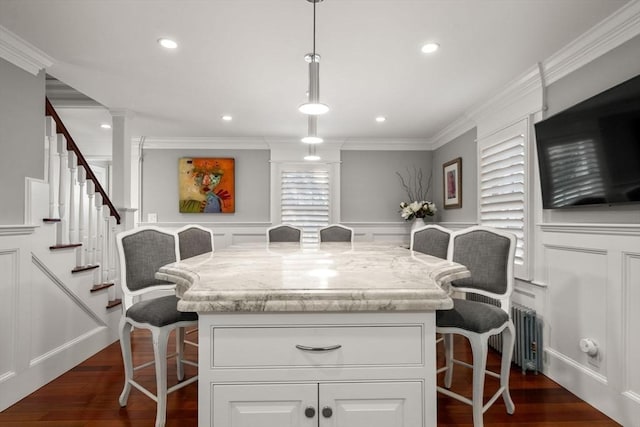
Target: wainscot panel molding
x,y
456,225
601,229
591,272
39,284
16,230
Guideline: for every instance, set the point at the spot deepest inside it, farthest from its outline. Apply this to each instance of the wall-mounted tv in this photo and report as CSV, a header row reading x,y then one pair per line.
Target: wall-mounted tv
x,y
589,154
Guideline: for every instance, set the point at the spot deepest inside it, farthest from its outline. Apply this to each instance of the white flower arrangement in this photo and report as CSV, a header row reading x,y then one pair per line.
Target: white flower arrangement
x,y
417,209
418,206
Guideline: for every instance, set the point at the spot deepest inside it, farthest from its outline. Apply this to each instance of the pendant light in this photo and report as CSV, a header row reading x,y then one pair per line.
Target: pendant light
x,y
312,156
314,106
312,132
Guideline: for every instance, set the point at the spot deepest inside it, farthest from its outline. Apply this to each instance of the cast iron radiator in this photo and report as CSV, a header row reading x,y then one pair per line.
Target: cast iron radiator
x,y
527,350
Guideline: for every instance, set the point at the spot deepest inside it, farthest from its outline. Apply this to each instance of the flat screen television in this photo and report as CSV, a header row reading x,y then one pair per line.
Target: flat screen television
x,y
589,154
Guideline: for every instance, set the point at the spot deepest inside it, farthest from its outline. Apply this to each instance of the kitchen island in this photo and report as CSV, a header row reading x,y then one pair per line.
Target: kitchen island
x,y
334,334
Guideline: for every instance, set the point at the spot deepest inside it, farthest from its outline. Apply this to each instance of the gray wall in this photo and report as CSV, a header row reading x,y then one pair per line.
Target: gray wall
x,y
21,137
603,73
160,186
463,146
371,190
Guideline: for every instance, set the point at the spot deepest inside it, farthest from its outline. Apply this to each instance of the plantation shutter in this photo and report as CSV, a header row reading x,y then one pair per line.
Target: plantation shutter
x,y
305,201
502,189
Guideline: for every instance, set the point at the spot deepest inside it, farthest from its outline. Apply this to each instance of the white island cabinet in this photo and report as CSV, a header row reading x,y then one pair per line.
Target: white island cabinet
x,y
334,335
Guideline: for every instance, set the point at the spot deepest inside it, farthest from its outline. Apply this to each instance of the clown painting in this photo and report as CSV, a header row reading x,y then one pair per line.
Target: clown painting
x,y
207,185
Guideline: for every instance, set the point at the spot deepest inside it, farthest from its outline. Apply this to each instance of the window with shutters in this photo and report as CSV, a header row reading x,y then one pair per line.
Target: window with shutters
x,y
502,192
305,197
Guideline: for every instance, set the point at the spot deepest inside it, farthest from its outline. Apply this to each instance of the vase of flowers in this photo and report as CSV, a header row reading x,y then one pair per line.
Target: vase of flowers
x,y
418,207
417,211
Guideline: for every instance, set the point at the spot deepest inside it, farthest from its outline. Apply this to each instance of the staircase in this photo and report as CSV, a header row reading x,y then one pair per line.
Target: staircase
x,y
62,304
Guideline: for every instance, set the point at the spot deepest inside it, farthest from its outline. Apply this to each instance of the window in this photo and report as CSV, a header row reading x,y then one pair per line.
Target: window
x,y
304,200
502,187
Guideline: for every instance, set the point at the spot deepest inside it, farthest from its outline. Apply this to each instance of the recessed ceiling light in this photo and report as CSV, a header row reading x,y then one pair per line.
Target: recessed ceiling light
x,y
105,126
227,118
430,47
167,43
380,119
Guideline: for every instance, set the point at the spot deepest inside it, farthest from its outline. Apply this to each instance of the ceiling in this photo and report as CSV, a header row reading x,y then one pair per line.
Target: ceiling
x,y
246,58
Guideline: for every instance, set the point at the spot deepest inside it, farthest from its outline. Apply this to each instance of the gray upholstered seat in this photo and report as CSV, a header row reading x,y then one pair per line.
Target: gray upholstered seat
x,y
431,240
142,251
284,233
194,240
489,255
336,233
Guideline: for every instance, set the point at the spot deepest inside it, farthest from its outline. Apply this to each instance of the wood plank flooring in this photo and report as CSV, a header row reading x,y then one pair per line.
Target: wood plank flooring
x,y
87,396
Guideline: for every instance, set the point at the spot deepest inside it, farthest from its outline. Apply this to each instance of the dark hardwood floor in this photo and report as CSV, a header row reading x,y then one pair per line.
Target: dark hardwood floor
x,y
87,396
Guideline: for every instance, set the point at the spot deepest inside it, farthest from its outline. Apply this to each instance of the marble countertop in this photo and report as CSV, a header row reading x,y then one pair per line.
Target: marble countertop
x,y
323,277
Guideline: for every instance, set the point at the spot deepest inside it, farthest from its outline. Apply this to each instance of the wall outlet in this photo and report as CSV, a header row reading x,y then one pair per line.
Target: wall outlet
x,y
152,217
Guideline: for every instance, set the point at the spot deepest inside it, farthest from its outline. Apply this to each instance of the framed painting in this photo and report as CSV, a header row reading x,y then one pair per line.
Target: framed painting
x,y
206,185
452,181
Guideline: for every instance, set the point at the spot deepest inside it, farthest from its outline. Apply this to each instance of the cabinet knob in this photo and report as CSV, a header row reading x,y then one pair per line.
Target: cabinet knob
x,y
327,412
309,412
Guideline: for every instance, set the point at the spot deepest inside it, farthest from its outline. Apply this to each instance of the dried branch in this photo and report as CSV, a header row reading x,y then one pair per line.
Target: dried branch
x,y
413,184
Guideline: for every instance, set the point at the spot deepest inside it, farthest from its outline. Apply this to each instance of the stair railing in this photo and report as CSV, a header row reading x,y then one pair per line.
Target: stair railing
x,y
76,204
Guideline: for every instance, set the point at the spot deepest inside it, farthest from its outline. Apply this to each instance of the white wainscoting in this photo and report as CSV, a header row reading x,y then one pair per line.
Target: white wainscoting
x,y
592,277
49,319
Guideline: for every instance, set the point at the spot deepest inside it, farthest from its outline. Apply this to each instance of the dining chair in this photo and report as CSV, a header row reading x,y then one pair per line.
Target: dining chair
x,y
142,251
336,233
194,240
284,233
488,253
431,239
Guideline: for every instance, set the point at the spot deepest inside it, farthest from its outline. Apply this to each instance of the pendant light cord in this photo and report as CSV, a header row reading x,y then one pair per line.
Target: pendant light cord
x,y
313,58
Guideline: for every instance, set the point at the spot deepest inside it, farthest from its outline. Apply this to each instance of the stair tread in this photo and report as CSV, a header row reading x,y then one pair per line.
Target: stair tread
x,y
101,286
51,219
114,303
65,246
84,268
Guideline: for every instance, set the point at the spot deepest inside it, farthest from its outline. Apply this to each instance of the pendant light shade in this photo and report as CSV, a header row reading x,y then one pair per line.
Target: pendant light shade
x,y
314,106
312,132
312,156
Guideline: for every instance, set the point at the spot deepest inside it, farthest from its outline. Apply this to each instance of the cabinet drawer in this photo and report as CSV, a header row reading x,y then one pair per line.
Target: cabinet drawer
x,y
351,345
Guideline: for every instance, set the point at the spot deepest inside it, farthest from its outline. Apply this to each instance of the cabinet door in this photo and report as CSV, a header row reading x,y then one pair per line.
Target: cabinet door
x,y
384,404
265,405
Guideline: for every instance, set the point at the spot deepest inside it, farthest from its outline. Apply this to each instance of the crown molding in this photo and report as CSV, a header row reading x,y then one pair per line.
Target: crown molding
x,y
452,131
21,53
608,34
204,143
528,83
611,32
392,144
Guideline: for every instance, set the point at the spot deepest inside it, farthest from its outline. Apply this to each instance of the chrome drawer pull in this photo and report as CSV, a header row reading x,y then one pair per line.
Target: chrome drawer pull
x,y
318,349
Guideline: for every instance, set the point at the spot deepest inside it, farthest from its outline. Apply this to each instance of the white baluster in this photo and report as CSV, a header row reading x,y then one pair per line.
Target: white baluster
x,y
62,233
73,167
106,236
99,238
53,160
114,291
91,191
82,195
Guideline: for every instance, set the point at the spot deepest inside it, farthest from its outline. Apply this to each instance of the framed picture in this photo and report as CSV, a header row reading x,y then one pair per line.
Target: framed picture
x,y
452,181
206,185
